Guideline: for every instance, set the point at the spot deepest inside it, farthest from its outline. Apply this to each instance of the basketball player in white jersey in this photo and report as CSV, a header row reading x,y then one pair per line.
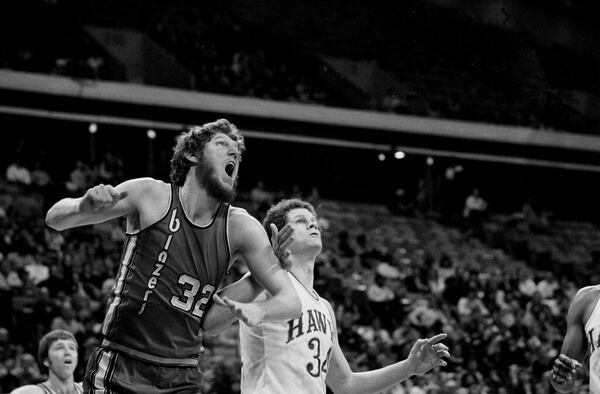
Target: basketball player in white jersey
x,y
57,352
303,355
582,338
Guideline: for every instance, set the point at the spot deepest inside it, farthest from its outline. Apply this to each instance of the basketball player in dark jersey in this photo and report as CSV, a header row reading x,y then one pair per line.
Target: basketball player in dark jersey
x,y
181,239
57,352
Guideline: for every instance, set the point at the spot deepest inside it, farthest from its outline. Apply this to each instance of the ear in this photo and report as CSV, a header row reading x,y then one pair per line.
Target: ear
x,y
191,158
46,363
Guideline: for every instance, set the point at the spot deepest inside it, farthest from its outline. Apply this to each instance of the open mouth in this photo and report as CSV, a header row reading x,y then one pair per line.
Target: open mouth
x,y
229,168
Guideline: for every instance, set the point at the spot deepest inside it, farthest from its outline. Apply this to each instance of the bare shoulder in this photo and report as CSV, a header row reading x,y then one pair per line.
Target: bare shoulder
x,y
151,199
245,230
240,216
145,187
584,302
587,294
29,389
242,223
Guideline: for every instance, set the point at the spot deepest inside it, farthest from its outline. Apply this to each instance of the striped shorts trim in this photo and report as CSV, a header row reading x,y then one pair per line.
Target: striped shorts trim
x,y
110,372
105,361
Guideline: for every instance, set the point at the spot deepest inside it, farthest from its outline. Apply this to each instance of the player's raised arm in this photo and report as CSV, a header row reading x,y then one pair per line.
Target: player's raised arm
x,y
99,204
425,355
574,344
249,240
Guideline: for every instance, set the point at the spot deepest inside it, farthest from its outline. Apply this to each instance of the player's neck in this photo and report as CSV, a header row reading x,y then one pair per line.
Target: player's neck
x,y
61,386
198,204
303,270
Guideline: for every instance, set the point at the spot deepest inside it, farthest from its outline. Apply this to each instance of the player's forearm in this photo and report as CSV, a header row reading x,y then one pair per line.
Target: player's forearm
x,y
65,214
217,320
218,317
376,380
283,305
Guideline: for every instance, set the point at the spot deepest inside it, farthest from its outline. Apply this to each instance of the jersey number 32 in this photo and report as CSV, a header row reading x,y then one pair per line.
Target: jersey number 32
x,y
186,302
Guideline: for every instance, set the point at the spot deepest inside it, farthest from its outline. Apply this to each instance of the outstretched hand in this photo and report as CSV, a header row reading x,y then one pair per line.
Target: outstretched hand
x,y
249,313
564,369
427,354
280,241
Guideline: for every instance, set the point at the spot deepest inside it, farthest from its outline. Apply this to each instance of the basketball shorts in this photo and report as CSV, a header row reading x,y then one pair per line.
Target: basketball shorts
x,y
109,371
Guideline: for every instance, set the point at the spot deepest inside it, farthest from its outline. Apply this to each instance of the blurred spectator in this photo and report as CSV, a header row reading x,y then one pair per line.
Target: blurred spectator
x,y
527,285
401,204
110,169
381,298
67,320
26,369
36,271
80,178
314,196
40,177
474,213
16,172
471,305
536,223
260,198
424,316
344,246
547,285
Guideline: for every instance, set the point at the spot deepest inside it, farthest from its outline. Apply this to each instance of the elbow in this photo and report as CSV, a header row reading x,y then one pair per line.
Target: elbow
x,y
50,222
344,386
211,326
209,331
53,223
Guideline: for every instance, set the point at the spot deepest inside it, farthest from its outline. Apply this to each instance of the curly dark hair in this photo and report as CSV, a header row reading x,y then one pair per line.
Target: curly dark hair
x,y
47,341
193,141
277,214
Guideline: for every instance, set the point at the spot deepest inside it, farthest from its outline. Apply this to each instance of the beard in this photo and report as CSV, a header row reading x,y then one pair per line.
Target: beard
x,y
206,174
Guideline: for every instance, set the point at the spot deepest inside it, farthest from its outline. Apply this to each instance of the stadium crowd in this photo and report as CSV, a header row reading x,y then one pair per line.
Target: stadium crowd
x,y
392,279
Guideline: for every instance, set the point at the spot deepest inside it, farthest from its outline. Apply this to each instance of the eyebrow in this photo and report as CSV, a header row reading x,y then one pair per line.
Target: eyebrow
x,y
228,139
304,217
59,344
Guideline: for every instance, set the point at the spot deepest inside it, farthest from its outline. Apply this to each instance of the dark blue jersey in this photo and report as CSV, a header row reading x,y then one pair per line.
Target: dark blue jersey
x,y
168,274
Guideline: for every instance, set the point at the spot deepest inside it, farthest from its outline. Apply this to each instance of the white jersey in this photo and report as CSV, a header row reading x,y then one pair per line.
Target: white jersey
x,y
288,356
77,388
592,331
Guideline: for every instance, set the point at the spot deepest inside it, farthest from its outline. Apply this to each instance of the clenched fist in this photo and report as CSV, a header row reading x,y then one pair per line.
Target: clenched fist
x,y
100,197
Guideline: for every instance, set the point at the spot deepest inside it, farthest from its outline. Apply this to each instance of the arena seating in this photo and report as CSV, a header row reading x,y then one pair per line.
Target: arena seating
x,y
504,315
